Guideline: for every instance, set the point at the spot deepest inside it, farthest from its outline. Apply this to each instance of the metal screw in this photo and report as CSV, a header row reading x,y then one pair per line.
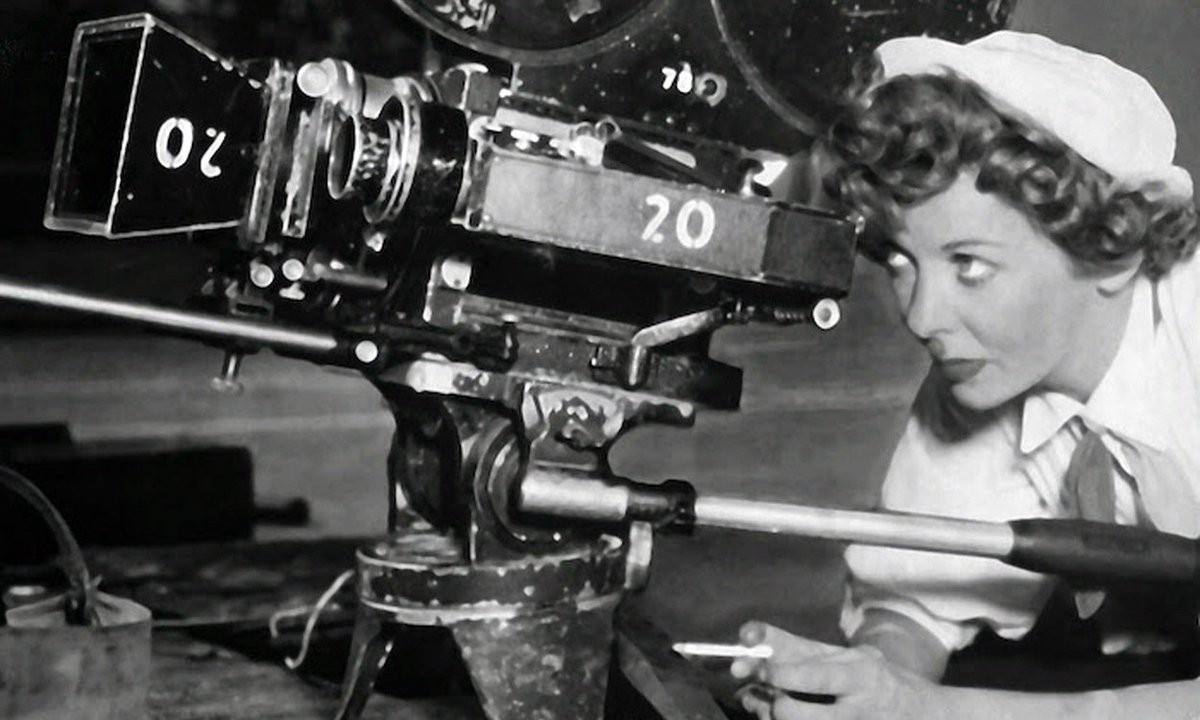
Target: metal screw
x,y
261,275
293,269
474,219
455,271
227,382
292,292
375,240
860,223
366,351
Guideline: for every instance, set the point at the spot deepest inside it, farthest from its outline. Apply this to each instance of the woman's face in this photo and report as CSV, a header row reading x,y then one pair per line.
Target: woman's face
x,y
996,302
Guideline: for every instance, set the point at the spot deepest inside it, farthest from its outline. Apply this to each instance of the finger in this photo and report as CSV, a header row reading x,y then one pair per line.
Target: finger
x,y
744,667
757,700
753,632
768,703
845,677
786,708
787,647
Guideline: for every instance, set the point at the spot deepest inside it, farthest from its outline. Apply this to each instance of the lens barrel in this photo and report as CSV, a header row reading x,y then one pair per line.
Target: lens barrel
x,y
408,163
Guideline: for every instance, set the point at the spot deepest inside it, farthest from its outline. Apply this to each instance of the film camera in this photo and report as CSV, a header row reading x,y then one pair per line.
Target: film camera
x,y
526,245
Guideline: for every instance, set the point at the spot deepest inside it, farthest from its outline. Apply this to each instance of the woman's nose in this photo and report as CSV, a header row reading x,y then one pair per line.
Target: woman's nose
x,y
925,313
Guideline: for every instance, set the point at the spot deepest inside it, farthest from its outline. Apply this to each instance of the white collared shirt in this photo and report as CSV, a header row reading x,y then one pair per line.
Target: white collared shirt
x,y
1010,464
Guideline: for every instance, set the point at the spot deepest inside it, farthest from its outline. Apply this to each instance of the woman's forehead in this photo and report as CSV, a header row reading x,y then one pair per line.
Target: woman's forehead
x,y
961,216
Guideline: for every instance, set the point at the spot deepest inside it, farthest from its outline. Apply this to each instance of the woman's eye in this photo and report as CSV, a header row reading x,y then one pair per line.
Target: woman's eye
x,y
973,270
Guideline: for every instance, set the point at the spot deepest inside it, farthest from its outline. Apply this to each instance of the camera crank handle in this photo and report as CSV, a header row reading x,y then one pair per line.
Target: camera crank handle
x,y
1103,552
1079,550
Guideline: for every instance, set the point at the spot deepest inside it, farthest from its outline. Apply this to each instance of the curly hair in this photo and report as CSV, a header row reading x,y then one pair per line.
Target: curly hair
x,y
901,141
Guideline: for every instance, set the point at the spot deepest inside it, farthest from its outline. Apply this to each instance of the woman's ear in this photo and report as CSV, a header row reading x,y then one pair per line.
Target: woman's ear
x,y
1116,277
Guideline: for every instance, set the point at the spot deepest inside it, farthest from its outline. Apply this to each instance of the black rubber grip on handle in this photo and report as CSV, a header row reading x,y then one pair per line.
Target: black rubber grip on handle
x,y
1103,553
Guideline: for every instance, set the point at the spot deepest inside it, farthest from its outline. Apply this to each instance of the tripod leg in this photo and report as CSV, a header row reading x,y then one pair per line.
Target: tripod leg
x,y
369,649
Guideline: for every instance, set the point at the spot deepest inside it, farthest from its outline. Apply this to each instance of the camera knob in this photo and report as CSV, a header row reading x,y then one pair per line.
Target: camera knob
x,y
227,381
826,313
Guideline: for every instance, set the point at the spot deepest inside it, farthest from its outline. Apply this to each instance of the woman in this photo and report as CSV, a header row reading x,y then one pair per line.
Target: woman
x,y
1023,197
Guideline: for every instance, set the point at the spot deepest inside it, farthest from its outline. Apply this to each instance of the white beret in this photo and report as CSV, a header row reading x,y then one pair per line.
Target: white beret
x,y
1110,115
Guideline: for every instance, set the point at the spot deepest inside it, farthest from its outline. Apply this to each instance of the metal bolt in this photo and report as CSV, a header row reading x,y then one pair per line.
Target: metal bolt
x,y
261,275
455,271
366,351
292,292
860,223
637,366
826,313
227,381
314,79
474,219
293,269
376,240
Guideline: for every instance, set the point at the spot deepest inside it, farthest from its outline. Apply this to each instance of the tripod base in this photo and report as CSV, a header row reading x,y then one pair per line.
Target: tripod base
x,y
535,633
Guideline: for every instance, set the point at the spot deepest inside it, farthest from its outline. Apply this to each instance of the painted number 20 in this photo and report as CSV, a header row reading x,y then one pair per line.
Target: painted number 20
x,y
695,221
173,145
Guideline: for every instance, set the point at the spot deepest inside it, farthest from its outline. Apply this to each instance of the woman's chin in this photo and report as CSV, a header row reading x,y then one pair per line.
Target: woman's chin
x,y
977,396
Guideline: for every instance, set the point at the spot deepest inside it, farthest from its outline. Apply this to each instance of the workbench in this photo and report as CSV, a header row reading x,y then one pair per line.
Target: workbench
x,y
194,679
213,657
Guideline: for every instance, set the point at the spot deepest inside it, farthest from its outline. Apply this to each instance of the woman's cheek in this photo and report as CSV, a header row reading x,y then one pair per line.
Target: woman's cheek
x,y
1020,343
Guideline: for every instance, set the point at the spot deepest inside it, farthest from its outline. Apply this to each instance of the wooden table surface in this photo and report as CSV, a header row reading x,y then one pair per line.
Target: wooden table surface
x,y
197,680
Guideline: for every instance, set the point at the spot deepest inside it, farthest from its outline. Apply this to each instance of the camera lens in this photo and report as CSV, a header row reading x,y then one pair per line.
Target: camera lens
x,y
408,162
359,155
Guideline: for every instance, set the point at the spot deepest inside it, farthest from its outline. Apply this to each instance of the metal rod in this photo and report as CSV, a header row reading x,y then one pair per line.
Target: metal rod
x,y
1090,552
259,333
349,278
914,532
547,493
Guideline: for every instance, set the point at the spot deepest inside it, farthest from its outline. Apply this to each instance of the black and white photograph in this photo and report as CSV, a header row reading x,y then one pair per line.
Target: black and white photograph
x,y
599,360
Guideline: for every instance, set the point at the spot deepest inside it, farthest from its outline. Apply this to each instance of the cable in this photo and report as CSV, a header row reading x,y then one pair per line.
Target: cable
x,y
314,614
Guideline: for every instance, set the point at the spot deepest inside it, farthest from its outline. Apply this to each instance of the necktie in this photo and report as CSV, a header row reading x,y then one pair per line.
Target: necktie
x,y
1088,489
1088,482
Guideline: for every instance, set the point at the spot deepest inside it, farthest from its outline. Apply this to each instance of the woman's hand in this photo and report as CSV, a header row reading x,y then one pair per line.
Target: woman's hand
x,y
862,684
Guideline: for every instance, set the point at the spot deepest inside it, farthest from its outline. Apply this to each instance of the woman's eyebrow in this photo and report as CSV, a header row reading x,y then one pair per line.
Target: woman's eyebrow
x,y
967,243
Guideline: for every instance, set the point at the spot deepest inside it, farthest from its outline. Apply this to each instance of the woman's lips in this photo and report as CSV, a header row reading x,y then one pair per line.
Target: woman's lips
x,y
957,371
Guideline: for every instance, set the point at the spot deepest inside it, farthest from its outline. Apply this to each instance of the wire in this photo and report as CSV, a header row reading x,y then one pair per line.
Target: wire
x,y
81,599
314,614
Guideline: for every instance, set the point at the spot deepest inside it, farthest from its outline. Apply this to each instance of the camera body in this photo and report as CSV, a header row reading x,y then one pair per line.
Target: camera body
x,y
346,190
